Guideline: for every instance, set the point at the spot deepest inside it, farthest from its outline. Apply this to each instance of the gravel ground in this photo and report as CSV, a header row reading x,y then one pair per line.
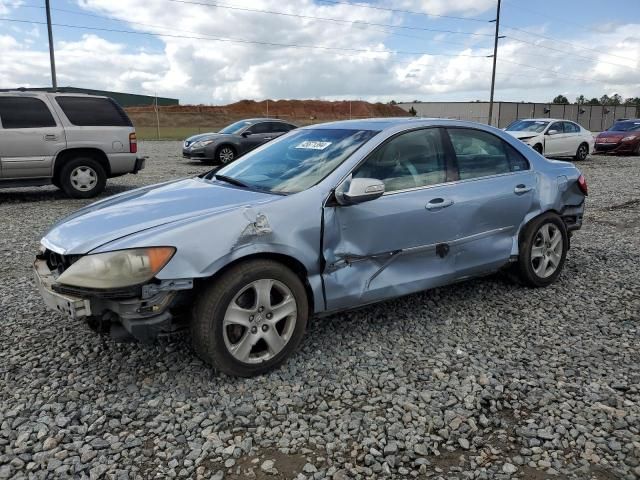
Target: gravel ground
x,y
483,379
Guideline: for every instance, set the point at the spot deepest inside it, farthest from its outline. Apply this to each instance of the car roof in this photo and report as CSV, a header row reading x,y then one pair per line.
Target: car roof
x,y
547,120
381,124
265,119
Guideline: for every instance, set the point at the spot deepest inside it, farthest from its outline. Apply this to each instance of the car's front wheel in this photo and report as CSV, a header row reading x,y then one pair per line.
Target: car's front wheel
x,y
251,319
538,148
543,250
82,177
582,152
225,154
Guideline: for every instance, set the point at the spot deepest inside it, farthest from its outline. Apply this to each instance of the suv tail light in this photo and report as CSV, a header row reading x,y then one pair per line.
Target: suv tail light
x,y
582,183
133,143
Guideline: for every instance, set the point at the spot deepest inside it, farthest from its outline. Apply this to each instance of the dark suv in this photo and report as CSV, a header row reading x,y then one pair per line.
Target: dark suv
x,y
234,140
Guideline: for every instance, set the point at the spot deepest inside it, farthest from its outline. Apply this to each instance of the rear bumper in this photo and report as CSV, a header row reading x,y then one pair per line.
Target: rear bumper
x,y
572,216
144,316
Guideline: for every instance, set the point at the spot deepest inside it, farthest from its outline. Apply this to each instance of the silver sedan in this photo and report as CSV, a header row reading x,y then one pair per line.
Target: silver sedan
x,y
325,218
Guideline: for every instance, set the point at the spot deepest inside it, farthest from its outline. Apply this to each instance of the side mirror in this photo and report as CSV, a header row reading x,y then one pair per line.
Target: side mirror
x,y
359,190
246,133
552,132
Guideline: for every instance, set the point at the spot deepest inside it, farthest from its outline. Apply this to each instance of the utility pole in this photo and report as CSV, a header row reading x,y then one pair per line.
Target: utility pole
x,y
495,57
52,57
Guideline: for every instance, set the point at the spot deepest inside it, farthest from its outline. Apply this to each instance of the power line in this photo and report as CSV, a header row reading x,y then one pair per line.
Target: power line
x,y
239,40
567,43
566,53
398,10
328,19
115,19
583,79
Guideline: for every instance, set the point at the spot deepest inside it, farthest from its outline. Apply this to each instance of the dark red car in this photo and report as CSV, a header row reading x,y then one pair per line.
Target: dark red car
x,y
622,137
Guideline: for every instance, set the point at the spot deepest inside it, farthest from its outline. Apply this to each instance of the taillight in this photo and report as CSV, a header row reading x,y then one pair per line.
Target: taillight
x,y
133,143
582,183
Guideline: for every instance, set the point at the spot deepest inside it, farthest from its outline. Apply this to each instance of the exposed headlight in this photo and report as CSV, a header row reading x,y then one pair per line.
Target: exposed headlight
x,y
629,138
121,268
201,143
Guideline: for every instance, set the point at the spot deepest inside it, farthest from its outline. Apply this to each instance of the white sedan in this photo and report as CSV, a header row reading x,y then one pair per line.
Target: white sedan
x,y
553,137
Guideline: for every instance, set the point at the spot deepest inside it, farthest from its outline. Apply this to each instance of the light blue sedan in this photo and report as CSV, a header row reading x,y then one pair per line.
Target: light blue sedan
x,y
326,218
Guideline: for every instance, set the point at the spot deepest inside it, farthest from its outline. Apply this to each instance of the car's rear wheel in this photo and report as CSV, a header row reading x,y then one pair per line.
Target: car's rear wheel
x,y
582,152
538,148
251,319
225,154
82,177
543,250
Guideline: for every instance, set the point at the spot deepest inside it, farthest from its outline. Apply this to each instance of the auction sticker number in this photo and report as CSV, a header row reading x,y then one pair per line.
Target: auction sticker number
x,y
311,145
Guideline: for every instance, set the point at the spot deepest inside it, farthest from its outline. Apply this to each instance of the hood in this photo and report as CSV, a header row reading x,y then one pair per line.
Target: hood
x,y
616,135
204,136
523,134
146,208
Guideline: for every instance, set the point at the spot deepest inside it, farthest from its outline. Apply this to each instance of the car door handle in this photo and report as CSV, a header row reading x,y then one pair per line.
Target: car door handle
x,y
522,188
438,203
50,136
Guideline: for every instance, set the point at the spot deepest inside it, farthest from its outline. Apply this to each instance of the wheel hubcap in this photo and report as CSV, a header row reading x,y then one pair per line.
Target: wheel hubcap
x,y
226,155
546,251
259,321
83,178
582,152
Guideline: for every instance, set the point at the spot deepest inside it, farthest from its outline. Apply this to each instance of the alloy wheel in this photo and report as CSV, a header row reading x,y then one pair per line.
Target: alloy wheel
x,y
260,321
546,250
582,152
83,178
226,155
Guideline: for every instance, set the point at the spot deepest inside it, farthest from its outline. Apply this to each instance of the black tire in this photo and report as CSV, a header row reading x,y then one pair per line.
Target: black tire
x,y
529,239
208,335
225,154
88,168
582,152
538,148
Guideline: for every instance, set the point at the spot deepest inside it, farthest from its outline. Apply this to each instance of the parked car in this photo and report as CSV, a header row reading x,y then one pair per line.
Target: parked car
x,y
74,141
234,140
326,218
553,138
622,137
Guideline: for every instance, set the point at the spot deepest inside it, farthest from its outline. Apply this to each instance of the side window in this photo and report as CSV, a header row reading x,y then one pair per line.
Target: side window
x,y
93,112
262,127
411,160
571,127
557,126
25,112
482,154
278,127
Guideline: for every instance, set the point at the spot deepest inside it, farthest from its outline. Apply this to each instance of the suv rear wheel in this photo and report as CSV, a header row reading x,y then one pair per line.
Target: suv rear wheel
x,y
82,177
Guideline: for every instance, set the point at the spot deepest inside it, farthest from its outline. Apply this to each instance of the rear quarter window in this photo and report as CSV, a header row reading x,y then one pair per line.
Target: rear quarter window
x,y
25,112
93,112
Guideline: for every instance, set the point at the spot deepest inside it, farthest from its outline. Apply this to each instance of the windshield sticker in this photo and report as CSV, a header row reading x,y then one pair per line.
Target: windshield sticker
x,y
311,145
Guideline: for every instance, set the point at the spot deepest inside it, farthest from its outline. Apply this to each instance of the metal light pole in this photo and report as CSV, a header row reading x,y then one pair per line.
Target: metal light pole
x,y
52,57
495,57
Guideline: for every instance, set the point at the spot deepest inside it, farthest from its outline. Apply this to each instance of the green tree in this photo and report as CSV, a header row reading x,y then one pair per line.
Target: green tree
x,y
615,100
581,100
412,112
561,99
393,102
605,99
632,101
593,101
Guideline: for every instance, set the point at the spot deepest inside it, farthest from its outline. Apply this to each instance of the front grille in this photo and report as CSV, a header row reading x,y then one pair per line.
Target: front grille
x,y
59,263
111,294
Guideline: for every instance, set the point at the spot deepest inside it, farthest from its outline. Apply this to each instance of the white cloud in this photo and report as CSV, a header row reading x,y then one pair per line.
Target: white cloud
x,y
206,71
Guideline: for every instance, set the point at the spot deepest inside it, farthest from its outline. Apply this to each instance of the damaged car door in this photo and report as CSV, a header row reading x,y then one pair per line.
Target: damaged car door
x,y
398,243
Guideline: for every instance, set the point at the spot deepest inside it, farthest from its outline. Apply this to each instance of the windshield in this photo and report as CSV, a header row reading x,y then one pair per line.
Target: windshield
x,y
235,127
297,161
625,127
534,126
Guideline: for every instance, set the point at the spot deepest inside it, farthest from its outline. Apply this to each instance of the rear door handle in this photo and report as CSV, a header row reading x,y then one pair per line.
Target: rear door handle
x,y
438,203
50,136
522,188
